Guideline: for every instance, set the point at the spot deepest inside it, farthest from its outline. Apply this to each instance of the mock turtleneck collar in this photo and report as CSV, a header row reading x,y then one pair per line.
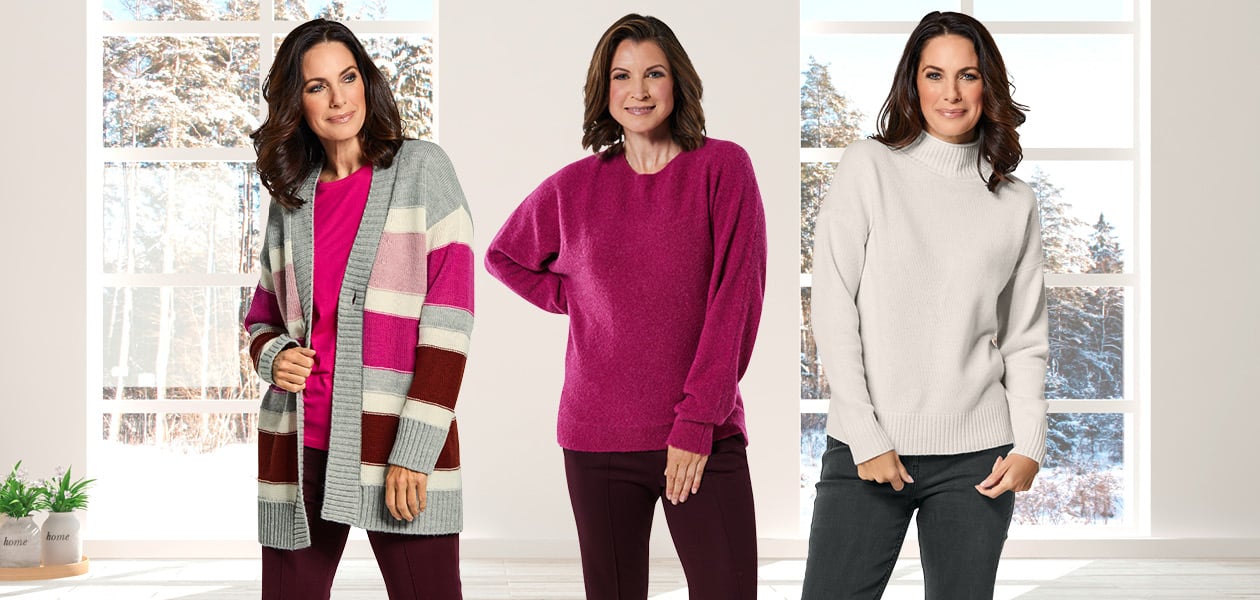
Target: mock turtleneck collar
x,y
951,160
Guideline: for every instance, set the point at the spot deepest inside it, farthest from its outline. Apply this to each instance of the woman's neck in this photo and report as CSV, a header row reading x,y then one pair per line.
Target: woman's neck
x,y
341,159
649,154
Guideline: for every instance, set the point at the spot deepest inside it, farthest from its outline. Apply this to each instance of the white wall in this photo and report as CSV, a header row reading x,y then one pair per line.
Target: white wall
x,y
44,311
1205,224
510,106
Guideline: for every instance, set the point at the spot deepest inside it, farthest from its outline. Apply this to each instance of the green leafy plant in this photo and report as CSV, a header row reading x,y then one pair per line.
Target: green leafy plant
x,y
20,499
62,495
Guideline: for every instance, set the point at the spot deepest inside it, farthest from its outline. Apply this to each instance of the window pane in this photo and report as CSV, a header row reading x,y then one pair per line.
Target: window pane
x,y
813,381
1059,10
407,62
813,444
355,10
180,218
1086,343
1082,480
860,68
180,91
815,181
865,10
1086,213
234,10
155,470
176,343
1051,74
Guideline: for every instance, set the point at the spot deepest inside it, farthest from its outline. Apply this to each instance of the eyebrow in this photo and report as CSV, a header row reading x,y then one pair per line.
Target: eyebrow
x,y
343,72
655,66
967,68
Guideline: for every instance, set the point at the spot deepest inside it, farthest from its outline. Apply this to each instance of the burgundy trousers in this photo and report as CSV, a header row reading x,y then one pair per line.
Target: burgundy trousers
x,y
415,567
614,496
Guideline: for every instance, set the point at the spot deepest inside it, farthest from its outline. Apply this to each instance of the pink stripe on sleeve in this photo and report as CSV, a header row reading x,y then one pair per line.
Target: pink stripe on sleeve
x,y
398,266
451,276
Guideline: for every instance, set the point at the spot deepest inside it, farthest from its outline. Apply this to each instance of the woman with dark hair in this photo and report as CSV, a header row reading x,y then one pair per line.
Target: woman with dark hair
x,y
655,248
360,324
929,314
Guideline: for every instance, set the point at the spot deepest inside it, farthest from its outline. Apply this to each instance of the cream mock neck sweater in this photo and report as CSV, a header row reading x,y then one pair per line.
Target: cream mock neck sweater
x,y
928,304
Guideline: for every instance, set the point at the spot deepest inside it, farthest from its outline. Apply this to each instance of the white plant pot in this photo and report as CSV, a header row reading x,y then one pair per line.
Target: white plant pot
x,y
60,542
19,542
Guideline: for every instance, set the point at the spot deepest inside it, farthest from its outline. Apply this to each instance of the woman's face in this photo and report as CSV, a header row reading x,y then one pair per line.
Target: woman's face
x,y
951,92
640,89
332,93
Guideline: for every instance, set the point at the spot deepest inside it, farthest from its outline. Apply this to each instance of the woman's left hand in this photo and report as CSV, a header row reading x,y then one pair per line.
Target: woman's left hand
x,y
683,471
1014,473
406,492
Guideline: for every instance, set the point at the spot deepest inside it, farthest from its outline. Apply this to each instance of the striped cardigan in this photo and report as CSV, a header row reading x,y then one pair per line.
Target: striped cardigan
x,y
404,313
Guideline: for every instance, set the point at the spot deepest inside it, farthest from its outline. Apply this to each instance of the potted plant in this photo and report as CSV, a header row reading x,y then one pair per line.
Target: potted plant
x,y
19,535
62,543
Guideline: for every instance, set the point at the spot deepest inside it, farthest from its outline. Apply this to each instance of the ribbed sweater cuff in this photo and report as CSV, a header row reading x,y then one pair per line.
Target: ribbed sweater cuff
x,y
417,445
1032,442
867,439
691,436
268,356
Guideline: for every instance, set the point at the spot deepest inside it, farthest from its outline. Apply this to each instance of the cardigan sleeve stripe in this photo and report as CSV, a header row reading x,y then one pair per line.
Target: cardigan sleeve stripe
x,y
277,457
438,376
408,276
454,288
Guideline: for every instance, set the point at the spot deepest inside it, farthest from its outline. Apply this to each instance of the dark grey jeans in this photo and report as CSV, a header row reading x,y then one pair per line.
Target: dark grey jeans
x,y
859,526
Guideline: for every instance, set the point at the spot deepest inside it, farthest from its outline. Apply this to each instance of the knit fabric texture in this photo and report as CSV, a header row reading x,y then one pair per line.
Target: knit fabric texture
x,y
404,316
662,276
928,305
337,217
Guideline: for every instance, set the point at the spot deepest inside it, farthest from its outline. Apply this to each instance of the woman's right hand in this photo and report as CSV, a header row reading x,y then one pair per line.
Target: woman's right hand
x,y
885,468
291,367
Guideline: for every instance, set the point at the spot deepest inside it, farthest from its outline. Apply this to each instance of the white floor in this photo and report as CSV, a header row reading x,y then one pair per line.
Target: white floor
x,y
484,579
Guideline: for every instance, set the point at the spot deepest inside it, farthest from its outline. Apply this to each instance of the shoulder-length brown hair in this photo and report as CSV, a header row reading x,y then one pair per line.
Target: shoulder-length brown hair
x,y
686,122
901,118
287,148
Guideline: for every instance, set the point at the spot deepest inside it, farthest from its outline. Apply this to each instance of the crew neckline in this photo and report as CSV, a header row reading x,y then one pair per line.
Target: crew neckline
x,y
358,173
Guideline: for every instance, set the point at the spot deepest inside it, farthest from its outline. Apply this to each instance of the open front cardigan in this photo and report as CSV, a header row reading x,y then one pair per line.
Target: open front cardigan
x,y
404,317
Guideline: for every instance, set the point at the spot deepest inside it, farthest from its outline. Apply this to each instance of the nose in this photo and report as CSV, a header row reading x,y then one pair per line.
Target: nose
x,y
336,97
952,91
642,92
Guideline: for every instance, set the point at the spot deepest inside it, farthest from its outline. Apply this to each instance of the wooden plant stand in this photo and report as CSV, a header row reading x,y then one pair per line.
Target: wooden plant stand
x,y
49,572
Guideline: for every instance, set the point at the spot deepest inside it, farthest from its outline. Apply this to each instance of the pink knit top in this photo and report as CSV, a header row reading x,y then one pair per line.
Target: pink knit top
x,y
338,209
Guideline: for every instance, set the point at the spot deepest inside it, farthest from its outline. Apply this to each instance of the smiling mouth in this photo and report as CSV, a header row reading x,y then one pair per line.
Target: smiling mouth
x,y
341,118
639,110
952,113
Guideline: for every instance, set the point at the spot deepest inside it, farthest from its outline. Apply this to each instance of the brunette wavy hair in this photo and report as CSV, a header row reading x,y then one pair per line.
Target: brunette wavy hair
x,y
901,118
686,122
287,148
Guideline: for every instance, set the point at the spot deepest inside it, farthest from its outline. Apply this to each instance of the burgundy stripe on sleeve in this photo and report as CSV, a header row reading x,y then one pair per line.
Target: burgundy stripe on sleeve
x,y
438,374
277,457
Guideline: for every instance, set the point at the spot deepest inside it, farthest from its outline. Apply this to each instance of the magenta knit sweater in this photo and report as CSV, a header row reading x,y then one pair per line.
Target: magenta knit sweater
x,y
662,277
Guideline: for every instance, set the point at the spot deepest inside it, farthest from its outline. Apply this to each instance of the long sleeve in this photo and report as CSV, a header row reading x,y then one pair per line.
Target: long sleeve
x,y
526,245
446,320
843,228
1023,342
733,312
265,320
